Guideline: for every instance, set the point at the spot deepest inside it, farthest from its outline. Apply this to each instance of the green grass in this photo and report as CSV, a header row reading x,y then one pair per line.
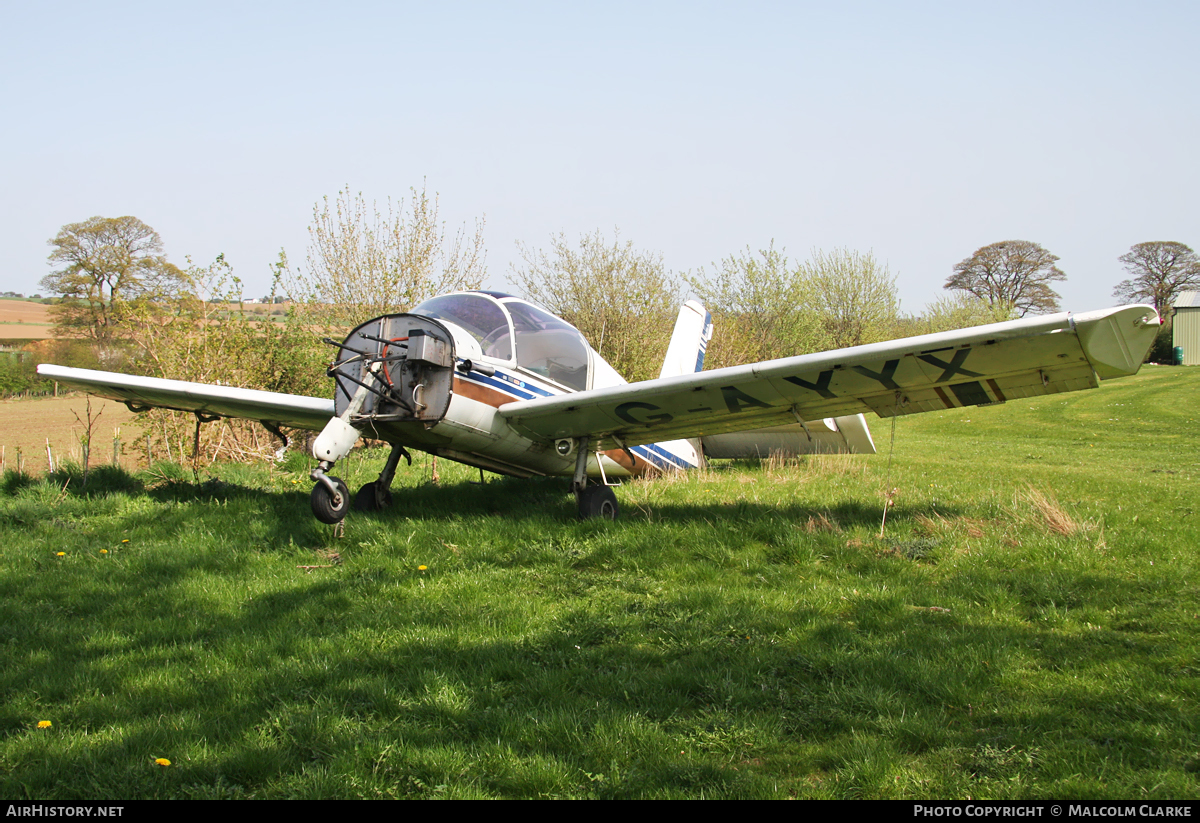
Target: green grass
x,y
740,632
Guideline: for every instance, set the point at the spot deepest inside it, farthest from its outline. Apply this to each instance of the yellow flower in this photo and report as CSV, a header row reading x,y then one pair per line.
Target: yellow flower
x,y
126,540
44,724
162,761
62,554
422,568
104,551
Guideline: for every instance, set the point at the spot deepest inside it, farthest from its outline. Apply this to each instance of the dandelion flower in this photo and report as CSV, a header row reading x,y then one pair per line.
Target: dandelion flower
x,y
104,551
126,540
422,568
162,761
61,554
44,724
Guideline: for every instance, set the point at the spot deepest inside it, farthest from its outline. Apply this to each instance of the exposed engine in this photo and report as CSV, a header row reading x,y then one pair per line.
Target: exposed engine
x,y
394,368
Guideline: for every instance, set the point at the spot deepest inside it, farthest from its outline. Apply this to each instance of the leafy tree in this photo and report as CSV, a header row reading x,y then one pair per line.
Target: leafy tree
x,y
624,301
957,310
1161,270
766,308
16,375
364,262
760,308
1012,276
853,294
108,265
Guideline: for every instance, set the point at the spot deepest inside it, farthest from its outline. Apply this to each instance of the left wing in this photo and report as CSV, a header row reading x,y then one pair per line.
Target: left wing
x,y
141,393
968,367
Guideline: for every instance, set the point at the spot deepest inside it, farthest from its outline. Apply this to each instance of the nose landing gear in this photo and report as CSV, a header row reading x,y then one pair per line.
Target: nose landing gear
x,y
330,499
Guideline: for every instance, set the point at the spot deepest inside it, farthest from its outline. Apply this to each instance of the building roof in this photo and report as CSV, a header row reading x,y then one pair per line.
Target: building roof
x,y
1188,300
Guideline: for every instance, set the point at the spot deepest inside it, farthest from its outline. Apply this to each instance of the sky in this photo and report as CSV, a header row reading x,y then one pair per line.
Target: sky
x,y
917,131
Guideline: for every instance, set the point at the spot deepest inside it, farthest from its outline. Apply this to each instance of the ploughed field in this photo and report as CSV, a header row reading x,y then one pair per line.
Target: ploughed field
x,y
21,319
27,425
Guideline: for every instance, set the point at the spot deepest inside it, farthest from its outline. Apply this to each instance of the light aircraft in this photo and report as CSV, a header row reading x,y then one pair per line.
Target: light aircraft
x,y
495,382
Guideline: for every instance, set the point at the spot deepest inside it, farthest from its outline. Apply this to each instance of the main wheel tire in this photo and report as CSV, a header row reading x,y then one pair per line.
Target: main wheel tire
x,y
368,500
327,507
597,501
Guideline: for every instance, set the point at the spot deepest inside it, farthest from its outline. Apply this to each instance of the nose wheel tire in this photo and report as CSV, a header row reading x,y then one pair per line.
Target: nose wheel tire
x,y
597,501
328,507
370,498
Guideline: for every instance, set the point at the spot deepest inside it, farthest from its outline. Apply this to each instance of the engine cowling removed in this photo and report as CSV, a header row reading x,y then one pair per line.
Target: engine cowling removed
x,y
405,362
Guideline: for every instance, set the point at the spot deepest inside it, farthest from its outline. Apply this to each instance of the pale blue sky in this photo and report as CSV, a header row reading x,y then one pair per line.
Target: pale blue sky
x,y
920,131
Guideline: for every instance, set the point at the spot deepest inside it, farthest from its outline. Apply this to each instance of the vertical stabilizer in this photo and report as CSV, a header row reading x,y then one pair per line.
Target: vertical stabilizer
x,y
693,330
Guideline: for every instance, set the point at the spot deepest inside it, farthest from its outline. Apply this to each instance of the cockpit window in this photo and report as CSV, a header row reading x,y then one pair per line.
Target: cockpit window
x,y
479,316
549,347
545,345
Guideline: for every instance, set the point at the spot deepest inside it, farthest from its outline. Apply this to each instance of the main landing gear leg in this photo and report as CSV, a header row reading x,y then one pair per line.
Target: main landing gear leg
x,y
377,495
593,501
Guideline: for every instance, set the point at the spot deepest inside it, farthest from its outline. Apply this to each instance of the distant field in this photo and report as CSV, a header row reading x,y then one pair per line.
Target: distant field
x,y
27,424
23,319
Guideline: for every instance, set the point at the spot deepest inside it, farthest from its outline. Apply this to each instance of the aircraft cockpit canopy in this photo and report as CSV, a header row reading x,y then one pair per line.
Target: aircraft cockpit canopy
x,y
545,345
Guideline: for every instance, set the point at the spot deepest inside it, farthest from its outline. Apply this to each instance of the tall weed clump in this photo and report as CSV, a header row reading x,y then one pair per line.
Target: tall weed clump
x,y
210,337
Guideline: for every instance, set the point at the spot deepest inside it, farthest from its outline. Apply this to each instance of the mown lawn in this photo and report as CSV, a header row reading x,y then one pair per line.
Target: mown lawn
x,y
1026,628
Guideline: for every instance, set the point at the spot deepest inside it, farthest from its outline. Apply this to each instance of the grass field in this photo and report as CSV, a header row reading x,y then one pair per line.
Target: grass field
x,y
1027,627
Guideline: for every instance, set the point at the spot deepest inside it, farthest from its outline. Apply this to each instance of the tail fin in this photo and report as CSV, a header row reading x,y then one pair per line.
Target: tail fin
x,y
693,330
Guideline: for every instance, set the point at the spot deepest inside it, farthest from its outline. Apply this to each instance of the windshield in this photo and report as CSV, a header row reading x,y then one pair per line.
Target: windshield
x,y
545,345
479,316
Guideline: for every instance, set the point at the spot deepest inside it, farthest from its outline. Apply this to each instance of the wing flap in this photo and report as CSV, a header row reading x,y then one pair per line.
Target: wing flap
x,y
986,364
139,393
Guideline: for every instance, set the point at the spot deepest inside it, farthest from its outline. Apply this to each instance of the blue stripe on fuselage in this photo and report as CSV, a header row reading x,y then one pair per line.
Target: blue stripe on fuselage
x,y
518,388
652,453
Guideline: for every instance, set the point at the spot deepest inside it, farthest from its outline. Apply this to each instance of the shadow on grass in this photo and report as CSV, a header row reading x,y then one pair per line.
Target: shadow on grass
x,y
604,660
505,497
300,692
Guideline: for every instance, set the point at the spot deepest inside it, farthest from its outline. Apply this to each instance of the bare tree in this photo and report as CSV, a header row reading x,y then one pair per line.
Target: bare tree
x,y
623,300
364,261
1161,270
108,264
1010,276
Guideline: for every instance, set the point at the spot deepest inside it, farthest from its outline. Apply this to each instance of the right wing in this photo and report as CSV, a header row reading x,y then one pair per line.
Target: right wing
x,y
965,367
141,393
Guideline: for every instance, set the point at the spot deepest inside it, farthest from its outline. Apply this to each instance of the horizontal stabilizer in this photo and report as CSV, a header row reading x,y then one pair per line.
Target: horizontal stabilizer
x,y
842,435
